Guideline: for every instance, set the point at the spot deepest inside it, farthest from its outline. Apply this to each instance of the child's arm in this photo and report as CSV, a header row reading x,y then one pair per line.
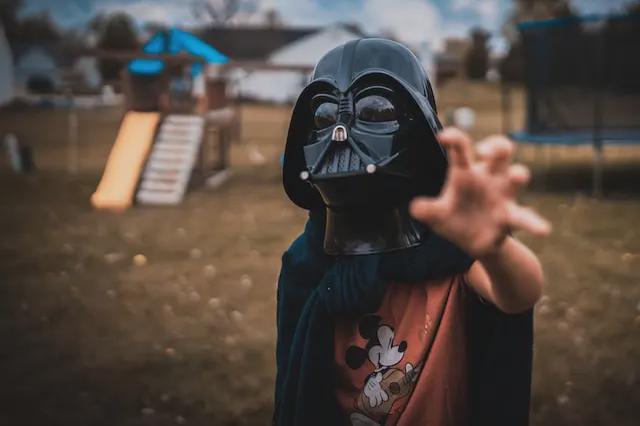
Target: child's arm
x,y
477,210
511,278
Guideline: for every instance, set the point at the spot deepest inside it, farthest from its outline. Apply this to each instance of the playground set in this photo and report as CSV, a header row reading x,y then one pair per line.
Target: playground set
x,y
176,106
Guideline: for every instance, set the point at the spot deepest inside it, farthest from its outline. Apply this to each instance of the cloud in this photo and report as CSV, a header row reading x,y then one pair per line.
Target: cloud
x,y
487,10
412,21
166,11
600,6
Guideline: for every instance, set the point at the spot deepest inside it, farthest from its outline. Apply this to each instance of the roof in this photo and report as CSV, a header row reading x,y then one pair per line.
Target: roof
x,y
62,52
251,43
309,49
175,42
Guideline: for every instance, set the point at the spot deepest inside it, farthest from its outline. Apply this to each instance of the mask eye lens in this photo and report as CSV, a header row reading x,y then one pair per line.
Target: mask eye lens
x,y
376,108
325,115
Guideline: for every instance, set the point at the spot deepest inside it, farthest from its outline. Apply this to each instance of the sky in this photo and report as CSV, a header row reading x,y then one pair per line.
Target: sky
x,y
412,21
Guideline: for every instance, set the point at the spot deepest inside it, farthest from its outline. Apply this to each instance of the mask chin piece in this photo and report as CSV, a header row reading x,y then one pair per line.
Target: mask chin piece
x,y
371,168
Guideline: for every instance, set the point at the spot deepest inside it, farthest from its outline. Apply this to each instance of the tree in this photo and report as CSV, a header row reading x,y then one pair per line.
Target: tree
x,y
477,59
272,18
9,17
633,8
221,12
512,66
38,28
98,22
118,33
153,27
35,28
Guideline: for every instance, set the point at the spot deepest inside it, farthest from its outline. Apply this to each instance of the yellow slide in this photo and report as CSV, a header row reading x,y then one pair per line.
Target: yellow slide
x,y
126,160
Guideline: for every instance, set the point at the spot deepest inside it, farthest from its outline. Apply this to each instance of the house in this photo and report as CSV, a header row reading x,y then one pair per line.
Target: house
x,y
275,46
7,77
450,62
255,43
283,86
49,67
37,69
86,70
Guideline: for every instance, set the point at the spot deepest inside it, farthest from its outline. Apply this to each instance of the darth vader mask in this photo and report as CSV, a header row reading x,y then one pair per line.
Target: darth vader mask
x,y
362,144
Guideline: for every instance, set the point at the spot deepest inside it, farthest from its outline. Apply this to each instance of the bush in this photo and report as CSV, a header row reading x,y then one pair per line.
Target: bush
x,y
40,84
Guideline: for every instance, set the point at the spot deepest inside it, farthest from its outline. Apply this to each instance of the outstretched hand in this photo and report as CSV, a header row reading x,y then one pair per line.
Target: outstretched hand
x,y
477,207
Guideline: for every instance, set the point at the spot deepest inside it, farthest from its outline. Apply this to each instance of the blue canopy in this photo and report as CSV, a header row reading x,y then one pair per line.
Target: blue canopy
x,y
175,41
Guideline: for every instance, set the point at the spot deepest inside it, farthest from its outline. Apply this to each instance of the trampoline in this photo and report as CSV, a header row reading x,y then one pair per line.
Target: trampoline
x,y
582,83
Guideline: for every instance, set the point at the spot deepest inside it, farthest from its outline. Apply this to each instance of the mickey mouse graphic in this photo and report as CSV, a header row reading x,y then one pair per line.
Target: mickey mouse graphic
x,y
386,383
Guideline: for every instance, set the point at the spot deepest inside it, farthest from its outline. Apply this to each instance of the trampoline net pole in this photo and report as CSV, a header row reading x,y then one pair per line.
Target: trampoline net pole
x,y
598,166
506,108
598,111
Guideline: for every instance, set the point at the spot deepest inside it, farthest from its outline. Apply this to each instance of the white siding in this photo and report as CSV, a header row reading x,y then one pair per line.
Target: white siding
x,y
285,86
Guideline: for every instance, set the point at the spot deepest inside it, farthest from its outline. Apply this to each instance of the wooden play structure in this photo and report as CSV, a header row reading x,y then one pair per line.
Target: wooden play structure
x,y
176,130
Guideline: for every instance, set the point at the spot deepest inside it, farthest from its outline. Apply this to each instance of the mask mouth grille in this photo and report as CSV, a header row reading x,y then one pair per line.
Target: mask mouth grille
x,y
340,159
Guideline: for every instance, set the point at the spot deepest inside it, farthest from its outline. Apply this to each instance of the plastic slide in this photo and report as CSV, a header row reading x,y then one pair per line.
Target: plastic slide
x,y
127,158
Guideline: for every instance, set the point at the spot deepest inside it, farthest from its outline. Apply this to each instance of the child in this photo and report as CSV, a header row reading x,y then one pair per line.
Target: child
x,y
395,307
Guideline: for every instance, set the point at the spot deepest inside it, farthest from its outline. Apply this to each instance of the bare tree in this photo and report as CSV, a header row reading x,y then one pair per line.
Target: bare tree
x,y
272,18
533,10
633,8
512,66
477,58
9,17
117,32
220,12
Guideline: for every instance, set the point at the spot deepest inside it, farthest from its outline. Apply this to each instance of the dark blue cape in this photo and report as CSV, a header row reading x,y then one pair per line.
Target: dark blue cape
x,y
314,289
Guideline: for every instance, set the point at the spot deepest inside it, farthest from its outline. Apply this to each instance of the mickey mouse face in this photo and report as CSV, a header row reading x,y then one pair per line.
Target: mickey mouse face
x,y
380,348
385,354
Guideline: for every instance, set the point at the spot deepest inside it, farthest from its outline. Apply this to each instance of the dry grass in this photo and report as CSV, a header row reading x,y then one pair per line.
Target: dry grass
x,y
89,337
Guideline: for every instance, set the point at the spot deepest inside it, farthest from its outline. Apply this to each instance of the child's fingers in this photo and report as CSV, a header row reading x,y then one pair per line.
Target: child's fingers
x,y
458,145
496,151
519,176
428,210
528,220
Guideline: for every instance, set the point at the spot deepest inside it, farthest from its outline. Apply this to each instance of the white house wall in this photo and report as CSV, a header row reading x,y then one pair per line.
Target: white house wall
x,y
87,66
36,62
285,86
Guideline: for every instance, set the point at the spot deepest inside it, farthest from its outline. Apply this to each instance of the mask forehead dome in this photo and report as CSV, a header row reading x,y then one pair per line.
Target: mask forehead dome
x,y
345,63
364,61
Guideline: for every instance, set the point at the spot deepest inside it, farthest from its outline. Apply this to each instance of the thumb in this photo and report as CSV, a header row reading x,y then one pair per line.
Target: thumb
x,y
428,210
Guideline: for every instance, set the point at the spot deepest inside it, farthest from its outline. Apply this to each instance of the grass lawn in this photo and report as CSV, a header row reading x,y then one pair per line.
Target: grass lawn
x,y
184,334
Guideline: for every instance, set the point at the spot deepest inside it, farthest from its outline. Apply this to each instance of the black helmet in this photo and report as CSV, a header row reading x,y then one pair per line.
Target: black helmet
x,y
362,135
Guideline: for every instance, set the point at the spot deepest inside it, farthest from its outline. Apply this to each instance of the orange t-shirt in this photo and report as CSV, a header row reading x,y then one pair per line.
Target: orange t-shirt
x,y
406,363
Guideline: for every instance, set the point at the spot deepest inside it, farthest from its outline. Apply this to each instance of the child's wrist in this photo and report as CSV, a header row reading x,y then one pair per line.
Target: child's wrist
x,y
496,251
